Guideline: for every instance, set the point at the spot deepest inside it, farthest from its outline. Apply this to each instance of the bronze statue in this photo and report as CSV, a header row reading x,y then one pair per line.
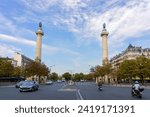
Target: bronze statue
x,y
104,26
40,24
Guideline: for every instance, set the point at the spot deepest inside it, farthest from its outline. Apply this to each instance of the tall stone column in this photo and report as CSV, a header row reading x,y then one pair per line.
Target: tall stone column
x,y
104,35
39,34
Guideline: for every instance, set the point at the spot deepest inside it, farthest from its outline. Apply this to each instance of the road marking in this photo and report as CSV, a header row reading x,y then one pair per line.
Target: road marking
x,y
67,89
7,86
79,94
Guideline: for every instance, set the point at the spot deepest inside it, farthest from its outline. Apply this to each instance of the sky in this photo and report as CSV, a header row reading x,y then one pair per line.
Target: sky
x,y
72,30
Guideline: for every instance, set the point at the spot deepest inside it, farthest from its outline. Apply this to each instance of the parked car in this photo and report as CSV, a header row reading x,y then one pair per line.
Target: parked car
x,y
19,84
29,86
63,80
49,82
81,80
59,81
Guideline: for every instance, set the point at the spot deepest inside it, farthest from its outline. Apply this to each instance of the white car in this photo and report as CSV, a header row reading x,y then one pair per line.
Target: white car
x,y
81,80
59,81
49,82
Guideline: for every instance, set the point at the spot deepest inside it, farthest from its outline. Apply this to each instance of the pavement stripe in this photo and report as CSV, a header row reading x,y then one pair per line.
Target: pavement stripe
x,y
67,89
8,86
79,94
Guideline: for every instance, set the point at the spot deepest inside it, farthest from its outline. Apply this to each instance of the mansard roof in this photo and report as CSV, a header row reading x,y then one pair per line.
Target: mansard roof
x,y
131,48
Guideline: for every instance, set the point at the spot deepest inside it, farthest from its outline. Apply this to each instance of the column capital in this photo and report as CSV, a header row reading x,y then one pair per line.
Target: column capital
x,y
39,32
104,33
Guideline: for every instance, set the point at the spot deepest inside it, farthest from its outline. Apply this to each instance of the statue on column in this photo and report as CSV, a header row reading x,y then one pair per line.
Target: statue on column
x,y
40,25
104,27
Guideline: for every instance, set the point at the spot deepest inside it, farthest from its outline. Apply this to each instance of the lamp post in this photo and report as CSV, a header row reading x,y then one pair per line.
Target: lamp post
x,y
50,67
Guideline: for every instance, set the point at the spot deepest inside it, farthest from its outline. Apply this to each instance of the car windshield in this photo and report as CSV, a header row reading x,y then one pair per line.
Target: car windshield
x,y
28,83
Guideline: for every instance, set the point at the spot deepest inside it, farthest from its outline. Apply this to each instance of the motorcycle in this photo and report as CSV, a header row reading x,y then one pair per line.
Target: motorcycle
x,y
100,88
137,93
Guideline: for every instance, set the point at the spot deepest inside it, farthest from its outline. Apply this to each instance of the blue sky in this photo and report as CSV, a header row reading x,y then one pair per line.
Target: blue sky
x,y
72,29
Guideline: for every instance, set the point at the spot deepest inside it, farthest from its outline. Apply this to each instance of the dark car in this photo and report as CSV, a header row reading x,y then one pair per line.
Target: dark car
x,y
19,83
29,86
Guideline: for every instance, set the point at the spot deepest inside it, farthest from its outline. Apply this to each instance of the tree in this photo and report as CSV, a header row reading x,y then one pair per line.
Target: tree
x,y
78,76
6,68
89,76
17,72
54,76
102,70
92,69
114,76
67,76
36,69
127,70
143,68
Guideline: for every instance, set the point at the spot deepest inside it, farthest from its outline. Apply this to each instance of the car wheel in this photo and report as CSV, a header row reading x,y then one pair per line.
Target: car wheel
x,y
33,89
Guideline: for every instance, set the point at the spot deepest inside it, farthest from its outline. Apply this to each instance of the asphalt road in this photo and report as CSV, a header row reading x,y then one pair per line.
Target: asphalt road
x,y
78,91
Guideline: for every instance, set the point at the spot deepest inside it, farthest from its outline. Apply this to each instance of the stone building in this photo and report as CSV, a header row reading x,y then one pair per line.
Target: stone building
x,y
21,59
13,62
132,52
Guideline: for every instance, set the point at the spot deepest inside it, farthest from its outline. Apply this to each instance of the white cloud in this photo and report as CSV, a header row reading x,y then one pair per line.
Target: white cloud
x,y
73,4
47,48
123,18
9,26
85,18
40,5
6,24
17,40
7,50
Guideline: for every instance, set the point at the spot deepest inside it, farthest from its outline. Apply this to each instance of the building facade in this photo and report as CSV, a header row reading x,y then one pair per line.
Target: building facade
x,y
132,52
13,62
22,60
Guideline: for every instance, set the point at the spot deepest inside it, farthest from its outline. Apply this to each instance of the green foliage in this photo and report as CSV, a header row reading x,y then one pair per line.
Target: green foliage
x,y
38,69
17,71
53,76
78,76
102,70
143,68
6,68
127,70
67,76
130,69
89,76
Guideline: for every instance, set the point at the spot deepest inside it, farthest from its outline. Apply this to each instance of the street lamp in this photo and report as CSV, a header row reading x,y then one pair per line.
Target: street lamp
x,y
50,68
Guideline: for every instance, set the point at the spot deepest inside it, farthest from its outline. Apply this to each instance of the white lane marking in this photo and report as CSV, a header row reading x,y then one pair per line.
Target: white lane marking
x,y
7,86
67,89
80,96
